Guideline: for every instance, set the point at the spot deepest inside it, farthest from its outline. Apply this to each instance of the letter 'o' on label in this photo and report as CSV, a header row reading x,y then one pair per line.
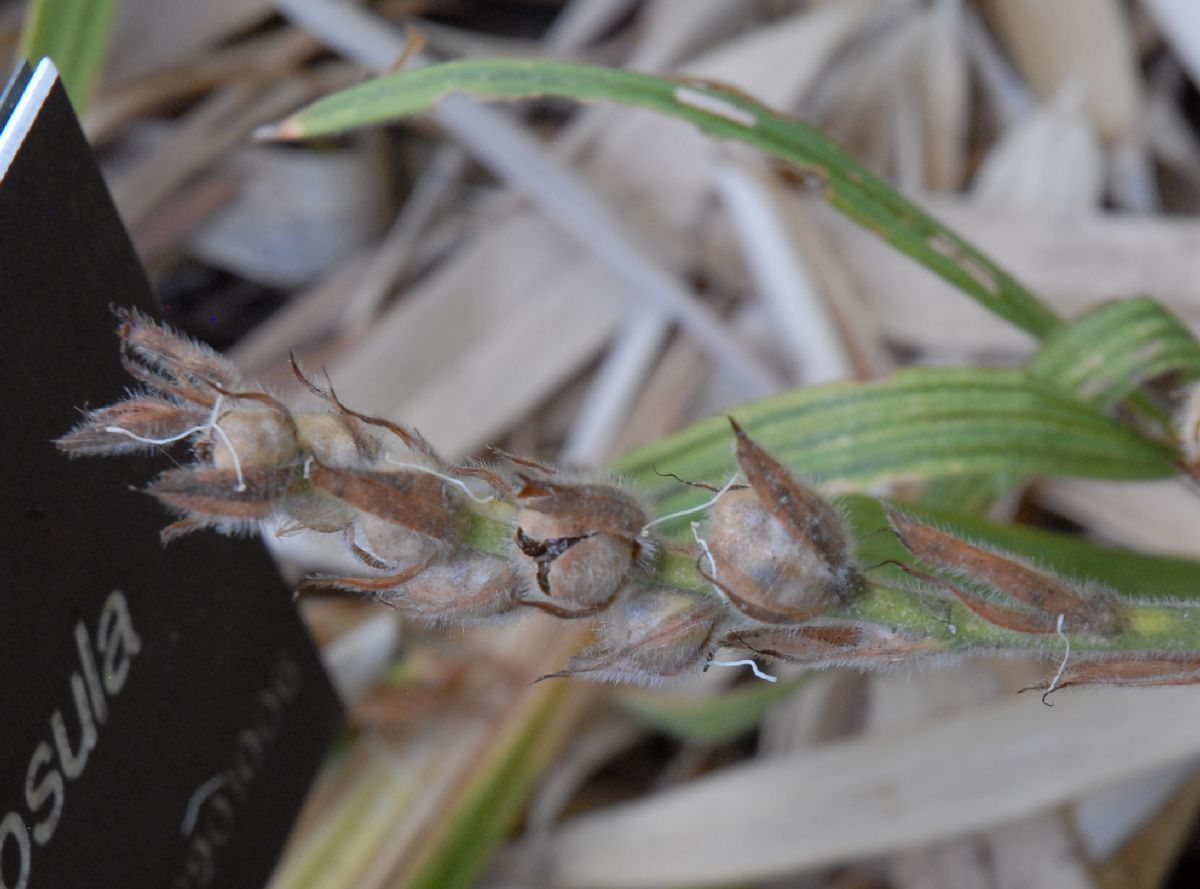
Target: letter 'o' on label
x,y
14,837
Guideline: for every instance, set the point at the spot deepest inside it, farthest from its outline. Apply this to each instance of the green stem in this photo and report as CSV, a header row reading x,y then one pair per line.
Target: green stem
x,y
1146,627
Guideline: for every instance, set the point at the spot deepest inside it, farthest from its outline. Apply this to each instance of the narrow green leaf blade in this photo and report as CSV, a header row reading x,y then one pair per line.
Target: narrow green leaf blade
x,y
720,111
973,494
74,33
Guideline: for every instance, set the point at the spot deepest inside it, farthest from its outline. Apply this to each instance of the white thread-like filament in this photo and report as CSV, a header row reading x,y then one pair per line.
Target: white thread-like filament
x,y
712,563
210,426
1066,655
448,479
746,662
705,505
237,463
117,430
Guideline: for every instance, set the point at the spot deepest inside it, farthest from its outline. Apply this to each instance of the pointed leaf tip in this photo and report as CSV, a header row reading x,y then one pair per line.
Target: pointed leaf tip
x,y
282,131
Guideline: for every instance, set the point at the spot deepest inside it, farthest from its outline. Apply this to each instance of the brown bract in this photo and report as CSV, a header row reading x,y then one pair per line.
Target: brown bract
x,y
856,644
211,498
410,499
146,418
572,510
177,358
1124,670
1094,611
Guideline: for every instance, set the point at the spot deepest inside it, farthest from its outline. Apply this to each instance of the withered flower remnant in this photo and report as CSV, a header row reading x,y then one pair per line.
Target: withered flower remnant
x,y
782,553
469,586
651,635
576,543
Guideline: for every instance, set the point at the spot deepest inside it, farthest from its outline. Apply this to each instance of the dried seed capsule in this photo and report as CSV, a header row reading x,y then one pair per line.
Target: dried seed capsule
x,y
575,544
652,634
254,438
303,508
468,586
329,438
782,553
471,585
394,545
401,517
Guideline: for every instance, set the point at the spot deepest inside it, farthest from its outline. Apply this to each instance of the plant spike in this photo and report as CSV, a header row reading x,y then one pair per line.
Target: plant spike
x,y
772,574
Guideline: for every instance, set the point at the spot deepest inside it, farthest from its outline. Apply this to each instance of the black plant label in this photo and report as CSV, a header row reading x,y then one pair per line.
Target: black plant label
x,y
162,712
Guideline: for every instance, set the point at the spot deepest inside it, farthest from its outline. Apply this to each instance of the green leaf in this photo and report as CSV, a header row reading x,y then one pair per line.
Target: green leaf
x,y
1110,351
708,720
919,423
1103,358
718,110
972,494
74,33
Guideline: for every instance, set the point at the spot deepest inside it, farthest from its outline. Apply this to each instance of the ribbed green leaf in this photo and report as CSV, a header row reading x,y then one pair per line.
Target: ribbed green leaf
x,y
1107,353
1103,357
720,111
970,494
74,33
919,423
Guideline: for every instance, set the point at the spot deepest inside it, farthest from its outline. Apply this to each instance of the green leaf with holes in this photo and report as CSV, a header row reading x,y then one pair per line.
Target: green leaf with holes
x,y
720,111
